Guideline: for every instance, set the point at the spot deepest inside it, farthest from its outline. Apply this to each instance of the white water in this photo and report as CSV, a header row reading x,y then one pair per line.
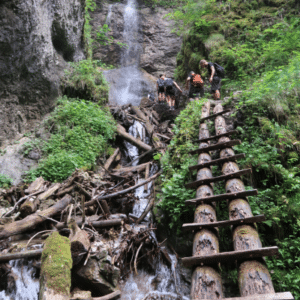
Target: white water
x,y
127,84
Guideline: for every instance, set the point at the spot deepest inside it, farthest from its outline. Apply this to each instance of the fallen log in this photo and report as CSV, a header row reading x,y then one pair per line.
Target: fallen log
x,y
137,168
33,220
93,201
144,214
105,207
141,156
96,224
19,255
56,264
35,186
111,159
65,191
122,132
111,296
29,206
49,192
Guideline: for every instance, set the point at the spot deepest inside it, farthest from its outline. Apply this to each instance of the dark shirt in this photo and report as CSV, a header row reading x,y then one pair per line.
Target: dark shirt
x,y
210,64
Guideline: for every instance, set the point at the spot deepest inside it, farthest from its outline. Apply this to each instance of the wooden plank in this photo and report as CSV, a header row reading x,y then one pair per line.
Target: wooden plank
x,y
196,183
193,226
229,133
217,146
215,115
277,296
229,256
221,197
217,161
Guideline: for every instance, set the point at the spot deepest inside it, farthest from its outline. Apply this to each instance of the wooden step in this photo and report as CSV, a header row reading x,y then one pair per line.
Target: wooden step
x,y
198,226
221,197
196,183
218,146
215,115
225,257
217,161
229,133
275,296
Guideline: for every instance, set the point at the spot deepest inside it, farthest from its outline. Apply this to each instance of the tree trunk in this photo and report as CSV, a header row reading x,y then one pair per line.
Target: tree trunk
x,y
35,186
122,132
29,206
31,221
137,168
49,192
56,264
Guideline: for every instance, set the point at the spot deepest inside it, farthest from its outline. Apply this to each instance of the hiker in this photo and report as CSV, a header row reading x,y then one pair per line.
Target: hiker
x,y
161,90
194,84
170,92
216,73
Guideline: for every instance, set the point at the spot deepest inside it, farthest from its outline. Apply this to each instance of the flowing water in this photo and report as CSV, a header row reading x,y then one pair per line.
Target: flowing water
x,y
128,84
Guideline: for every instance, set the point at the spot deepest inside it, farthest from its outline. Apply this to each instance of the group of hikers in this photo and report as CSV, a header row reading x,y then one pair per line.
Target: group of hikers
x,y
194,84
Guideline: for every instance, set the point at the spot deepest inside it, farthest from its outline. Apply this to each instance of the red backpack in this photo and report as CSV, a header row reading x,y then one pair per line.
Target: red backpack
x,y
197,81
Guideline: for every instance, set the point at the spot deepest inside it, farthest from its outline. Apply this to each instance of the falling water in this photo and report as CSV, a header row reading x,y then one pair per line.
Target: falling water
x,y
127,84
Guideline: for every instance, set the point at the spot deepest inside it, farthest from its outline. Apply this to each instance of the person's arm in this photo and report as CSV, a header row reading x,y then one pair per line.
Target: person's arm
x,y
187,83
212,73
177,86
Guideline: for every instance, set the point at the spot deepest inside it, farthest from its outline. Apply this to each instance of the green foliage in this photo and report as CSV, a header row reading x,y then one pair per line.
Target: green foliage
x,y
164,3
5,181
103,38
84,79
175,166
90,5
81,132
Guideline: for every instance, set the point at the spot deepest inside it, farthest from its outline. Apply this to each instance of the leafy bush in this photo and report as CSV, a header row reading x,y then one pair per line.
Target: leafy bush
x,y
175,165
5,181
81,132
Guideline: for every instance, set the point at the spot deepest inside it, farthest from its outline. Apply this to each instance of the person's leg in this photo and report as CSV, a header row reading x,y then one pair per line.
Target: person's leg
x,y
173,102
217,95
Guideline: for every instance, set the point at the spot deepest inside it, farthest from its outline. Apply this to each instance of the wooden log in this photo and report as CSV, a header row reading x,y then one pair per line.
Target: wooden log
x,y
56,264
20,255
96,224
226,257
196,183
246,237
111,159
147,172
239,209
254,278
122,132
111,296
35,186
228,133
251,220
105,207
29,206
137,168
218,146
49,192
206,284
65,191
215,115
205,243
277,296
221,197
93,201
33,220
204,163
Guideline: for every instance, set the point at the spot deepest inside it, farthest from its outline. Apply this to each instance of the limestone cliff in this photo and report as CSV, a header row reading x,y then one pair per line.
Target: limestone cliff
x,y
37,38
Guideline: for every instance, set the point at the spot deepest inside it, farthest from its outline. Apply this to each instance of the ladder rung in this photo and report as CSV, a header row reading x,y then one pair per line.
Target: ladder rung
x,y
215,115
198,226
225,257
222,197
229,133
217,161
195,184
216,147
275,296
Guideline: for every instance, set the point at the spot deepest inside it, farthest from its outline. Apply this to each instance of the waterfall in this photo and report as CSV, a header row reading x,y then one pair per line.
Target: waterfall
x,y
127,84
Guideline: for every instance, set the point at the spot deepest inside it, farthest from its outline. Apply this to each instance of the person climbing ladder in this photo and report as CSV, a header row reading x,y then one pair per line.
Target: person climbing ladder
x,y
170,92
216,73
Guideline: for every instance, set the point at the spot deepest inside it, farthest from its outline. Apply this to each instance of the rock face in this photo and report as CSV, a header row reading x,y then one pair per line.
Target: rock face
x,y
37,38
159,45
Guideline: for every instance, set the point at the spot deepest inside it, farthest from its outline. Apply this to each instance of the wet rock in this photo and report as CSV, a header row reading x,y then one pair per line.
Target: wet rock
x,y
34,154
78,294
36,42
99,275
13,164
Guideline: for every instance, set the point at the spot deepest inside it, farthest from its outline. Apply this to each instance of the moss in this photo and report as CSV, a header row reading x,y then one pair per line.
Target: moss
x,y
57,263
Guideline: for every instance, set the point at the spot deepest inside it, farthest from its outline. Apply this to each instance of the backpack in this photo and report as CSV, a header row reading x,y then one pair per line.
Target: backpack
x,y
219,70
197,81
168,83
161,83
